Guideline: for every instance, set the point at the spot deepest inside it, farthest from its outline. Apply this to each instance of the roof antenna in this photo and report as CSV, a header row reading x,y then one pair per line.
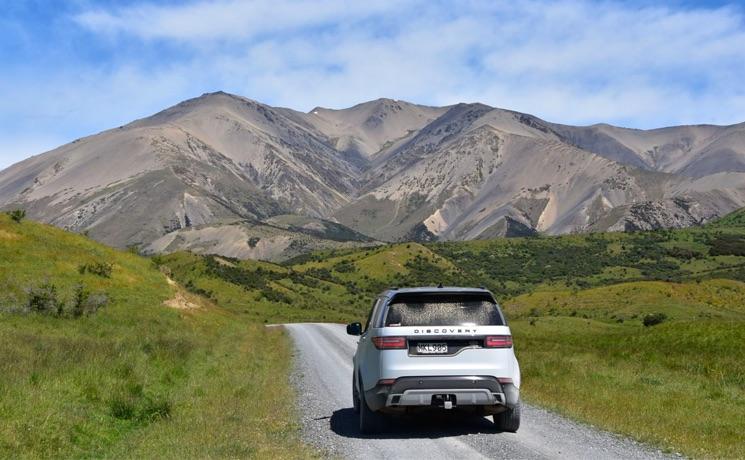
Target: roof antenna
x,y
439,285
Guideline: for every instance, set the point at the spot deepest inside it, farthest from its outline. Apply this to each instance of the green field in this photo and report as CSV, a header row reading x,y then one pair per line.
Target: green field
x,y
577,306
135,378
139,377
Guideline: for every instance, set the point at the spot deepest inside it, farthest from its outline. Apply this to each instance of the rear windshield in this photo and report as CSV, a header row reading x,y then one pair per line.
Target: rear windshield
x,y
443,310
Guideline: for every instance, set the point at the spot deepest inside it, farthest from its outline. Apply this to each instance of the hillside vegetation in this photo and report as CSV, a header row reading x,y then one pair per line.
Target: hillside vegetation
x,y
639,333
103,357
735,219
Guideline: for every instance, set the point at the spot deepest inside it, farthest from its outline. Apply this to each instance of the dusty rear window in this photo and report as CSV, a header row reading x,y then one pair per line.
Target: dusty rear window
x,y
443,310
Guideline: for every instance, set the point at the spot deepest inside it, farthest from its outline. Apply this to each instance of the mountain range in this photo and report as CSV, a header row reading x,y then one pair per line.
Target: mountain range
x,y
225,174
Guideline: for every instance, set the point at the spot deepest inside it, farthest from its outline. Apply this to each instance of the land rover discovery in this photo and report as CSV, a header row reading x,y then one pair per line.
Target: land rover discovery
x,y
435,348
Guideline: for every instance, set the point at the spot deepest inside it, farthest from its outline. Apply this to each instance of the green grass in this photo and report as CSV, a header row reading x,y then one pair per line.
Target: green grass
x,y
140,379
576,305
678,385
261,291
511,267
734,219
136,378
718,299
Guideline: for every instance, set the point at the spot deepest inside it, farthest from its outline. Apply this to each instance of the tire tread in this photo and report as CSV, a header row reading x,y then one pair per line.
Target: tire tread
x,y
508,420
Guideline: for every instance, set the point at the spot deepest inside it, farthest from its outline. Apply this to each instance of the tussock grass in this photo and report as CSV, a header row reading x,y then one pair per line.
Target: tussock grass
x,y
136,379
577,306
679,385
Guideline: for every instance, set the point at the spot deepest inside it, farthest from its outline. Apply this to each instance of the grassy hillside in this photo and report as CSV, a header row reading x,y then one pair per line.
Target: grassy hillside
x,y
735,219
679,384
327,286
639,333
511,267
103,357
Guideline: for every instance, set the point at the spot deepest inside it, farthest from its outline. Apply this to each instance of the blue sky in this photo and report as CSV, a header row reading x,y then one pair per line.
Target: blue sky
x,y
77,67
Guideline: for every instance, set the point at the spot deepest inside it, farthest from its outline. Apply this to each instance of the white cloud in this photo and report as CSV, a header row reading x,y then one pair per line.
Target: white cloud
x,y
226,19
569,61
572,62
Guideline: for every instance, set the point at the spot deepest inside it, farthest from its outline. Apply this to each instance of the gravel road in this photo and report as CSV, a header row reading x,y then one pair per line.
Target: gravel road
x,y
323,375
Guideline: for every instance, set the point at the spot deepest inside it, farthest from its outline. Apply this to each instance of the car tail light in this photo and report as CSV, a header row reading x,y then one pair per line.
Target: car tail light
x,y
386,381
498,341
504,379
388,343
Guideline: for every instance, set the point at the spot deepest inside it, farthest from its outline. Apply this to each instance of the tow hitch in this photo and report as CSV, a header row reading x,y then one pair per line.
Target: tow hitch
x,y
446,401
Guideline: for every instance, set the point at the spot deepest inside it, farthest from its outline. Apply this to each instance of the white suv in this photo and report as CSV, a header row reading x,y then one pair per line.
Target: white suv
x,y
437,348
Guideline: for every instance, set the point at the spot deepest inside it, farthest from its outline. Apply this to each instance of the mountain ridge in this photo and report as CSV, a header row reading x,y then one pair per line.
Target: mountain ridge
x,y
386,168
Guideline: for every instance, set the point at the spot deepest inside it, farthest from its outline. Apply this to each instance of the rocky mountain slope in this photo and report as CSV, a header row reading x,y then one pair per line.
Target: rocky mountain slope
x,y
478,172
210,173
277,238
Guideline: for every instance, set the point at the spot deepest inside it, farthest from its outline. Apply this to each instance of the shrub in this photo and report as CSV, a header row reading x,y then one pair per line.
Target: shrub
x,y
79,298
17,215
321,273
345,266
101,269
95,302
652,319
194,289
84,303
273,295
43,299
728,245
682,253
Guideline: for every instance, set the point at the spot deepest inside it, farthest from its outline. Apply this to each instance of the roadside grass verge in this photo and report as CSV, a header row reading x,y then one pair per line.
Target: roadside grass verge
x,y
236,403
679,385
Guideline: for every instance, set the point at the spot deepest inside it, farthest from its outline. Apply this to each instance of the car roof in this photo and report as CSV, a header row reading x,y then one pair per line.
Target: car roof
x,y
435,290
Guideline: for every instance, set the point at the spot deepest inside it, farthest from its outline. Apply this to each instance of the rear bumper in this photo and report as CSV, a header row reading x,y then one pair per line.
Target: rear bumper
x,y
464,390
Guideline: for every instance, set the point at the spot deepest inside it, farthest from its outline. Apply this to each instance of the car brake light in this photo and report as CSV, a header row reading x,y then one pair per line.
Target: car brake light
x,y
387,343
504,379
498,341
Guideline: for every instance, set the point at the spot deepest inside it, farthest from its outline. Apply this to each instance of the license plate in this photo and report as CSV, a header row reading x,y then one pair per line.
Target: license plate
x,y
431,348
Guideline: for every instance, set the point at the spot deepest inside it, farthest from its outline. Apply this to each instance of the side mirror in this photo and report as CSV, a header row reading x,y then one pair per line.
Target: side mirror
x,y
354,329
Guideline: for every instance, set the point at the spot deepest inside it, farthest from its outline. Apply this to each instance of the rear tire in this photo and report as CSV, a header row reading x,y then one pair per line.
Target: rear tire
x,y
355,395
370,422
508,420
